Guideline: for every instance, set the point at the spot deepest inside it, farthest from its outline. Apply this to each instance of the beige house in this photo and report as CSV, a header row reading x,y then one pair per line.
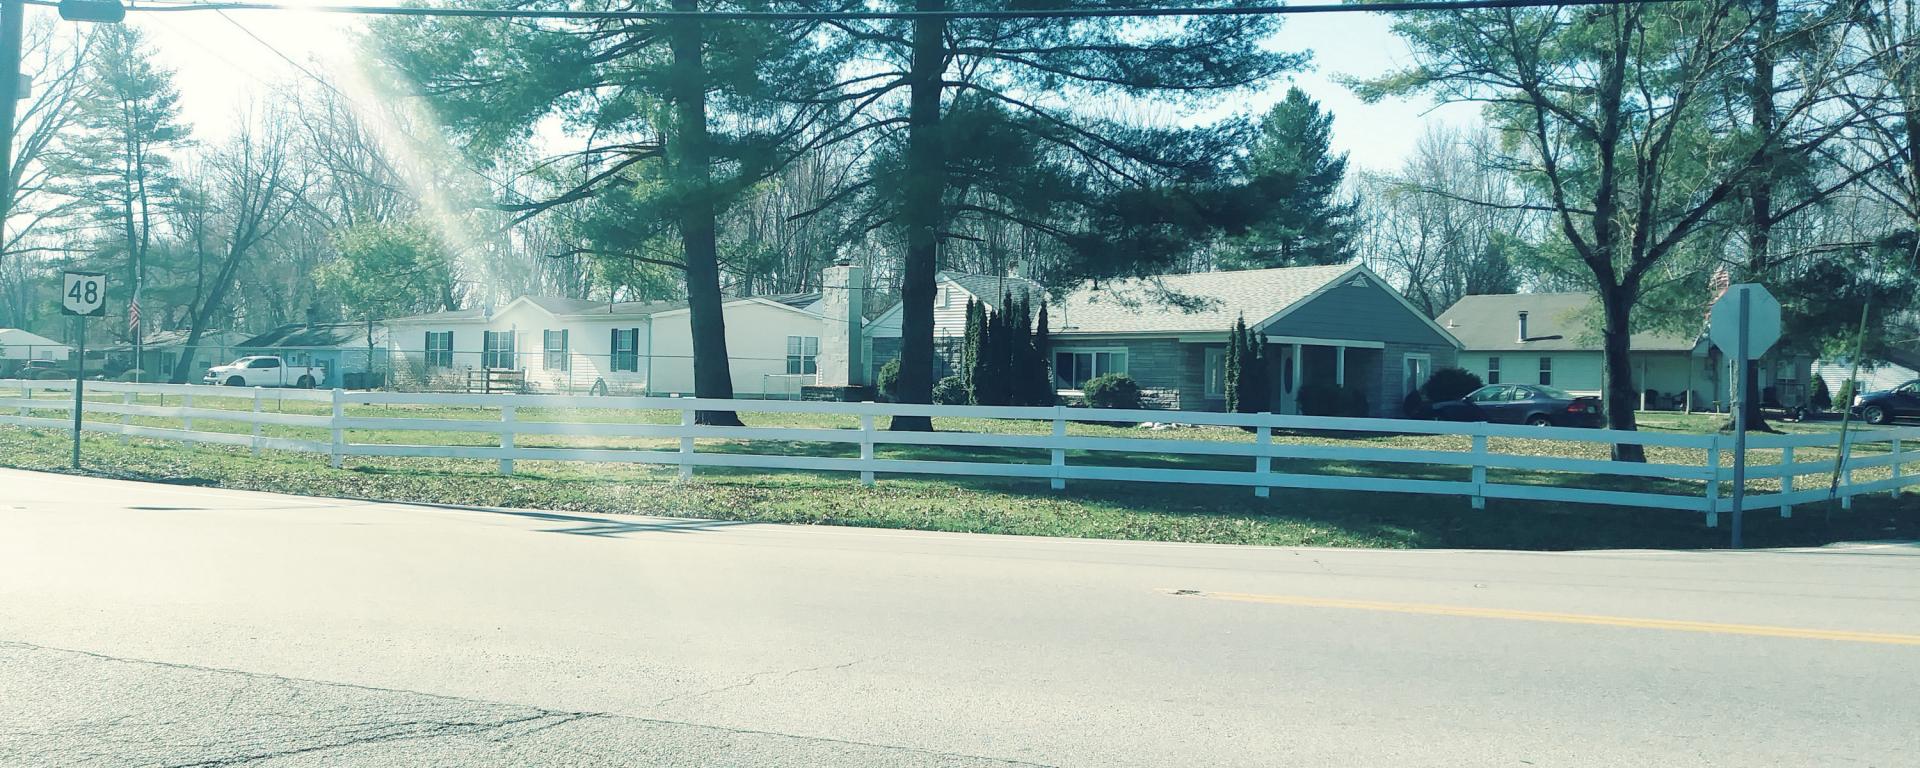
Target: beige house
x,y
1553,339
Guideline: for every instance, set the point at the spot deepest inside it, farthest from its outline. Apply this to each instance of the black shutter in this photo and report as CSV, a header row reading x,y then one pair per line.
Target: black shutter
x,y
613,351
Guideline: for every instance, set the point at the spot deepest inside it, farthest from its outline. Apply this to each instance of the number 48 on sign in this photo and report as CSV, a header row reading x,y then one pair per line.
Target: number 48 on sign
x,y
84,294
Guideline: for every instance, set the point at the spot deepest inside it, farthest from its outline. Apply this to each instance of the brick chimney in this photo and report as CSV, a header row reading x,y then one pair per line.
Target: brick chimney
x,y
843,294
1523,327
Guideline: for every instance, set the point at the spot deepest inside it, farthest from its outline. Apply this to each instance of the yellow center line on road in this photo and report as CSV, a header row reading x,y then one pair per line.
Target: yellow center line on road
x,y
1709,627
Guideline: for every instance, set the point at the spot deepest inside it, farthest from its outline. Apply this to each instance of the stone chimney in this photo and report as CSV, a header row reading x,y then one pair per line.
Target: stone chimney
x,y
1522,338
843,295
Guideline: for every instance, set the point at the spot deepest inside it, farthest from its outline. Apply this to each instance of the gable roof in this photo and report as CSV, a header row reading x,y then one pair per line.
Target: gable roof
x,y
15,337
1555,322
1200,302
988,289
557,306
305,336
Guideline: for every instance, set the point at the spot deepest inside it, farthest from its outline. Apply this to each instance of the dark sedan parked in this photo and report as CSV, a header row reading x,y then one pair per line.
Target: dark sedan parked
x,y
1901,402
1535,404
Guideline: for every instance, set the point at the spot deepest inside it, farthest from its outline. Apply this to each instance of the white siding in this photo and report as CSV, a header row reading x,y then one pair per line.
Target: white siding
x,y
756,345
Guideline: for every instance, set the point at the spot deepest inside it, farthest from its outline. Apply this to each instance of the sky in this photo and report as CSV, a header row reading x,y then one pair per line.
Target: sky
x,y
220,68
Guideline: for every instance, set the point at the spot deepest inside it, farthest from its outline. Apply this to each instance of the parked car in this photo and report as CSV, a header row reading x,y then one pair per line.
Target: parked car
x,y
1535,404
42,370
1881,407
265,371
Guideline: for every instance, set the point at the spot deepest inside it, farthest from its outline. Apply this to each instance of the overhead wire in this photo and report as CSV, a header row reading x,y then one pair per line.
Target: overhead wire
x,y
1400,6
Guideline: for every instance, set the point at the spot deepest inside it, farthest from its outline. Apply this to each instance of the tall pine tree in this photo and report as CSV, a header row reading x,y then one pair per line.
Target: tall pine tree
x,y
1236,349
118,157
1291,198
1039,373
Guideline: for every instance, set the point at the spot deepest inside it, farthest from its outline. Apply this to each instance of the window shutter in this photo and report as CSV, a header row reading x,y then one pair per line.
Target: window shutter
x,y
613,351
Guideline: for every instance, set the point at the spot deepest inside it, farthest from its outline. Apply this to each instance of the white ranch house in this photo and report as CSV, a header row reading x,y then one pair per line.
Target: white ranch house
x,y
575,345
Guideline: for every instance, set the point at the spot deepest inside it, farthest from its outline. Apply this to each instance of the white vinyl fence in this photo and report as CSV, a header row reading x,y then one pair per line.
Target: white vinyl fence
x,y
28,403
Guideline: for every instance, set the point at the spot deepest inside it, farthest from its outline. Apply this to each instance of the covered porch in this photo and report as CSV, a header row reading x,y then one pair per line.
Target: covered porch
x,y
1323,367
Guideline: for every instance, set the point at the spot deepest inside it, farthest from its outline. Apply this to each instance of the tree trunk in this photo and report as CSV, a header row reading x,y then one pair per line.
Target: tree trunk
x,y
690,153
1616,336
204,315
920,214
1760,195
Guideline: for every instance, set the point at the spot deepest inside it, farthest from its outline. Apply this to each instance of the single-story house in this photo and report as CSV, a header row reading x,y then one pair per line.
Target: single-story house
x,y
1873,376
1336,325
1553,339
951,292
18,346
629,347
342,350
160,350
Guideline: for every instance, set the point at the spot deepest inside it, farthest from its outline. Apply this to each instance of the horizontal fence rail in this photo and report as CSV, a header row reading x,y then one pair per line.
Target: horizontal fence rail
x,y
497,418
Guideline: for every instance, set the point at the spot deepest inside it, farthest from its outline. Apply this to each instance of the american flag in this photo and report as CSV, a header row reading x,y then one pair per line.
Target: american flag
x,y
1721,281
133,315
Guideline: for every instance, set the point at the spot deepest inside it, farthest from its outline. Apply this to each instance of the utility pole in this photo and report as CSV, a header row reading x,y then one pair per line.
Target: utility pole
x,y
12,21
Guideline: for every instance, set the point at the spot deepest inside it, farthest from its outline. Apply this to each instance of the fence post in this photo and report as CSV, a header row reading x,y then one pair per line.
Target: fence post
x,y
686,443
339,435
256,421
1713,481
126,399
1479,469
1895,493
1059,455
866,447
1846,473
1786,480
506,439
1263,464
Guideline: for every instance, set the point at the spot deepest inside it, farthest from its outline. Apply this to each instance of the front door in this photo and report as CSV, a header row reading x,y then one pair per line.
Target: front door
x,y
1288,400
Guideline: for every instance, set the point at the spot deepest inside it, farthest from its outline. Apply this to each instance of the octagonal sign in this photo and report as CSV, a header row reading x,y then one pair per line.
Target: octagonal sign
x,y
1763,320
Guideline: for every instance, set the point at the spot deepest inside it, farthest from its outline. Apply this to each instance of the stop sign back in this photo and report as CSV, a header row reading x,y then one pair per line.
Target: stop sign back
x,y
1762,325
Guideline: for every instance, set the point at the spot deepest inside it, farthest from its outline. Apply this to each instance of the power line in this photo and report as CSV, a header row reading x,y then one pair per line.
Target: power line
x,y
1059,13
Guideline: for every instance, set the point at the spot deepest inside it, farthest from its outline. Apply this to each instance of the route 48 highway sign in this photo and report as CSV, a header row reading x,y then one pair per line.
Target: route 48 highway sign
x,y
84,294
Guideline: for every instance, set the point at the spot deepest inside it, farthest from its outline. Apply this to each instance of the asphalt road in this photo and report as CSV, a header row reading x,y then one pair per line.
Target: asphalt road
x,y
145,625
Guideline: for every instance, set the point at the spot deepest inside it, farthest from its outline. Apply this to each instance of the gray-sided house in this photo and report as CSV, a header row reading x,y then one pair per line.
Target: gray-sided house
x,y
343,351
1338,325
1553,338
951,292
160,351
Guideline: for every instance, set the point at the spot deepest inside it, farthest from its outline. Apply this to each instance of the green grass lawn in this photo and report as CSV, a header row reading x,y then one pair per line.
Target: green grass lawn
x,y
1014,506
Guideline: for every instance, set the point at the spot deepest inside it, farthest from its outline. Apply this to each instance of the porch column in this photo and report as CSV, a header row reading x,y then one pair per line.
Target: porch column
x,y
1340,366
1293,387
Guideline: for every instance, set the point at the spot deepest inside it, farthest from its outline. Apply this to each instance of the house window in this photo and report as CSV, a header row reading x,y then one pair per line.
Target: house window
x,y
1216,373
803,354
497,349
941,297
1546,371
1073,368
1493,370
1419,367
555,345
626,349
440,349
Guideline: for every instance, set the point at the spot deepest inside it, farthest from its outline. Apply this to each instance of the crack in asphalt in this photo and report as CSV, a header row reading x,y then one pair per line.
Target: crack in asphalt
x,y
755,678
435,729
394,731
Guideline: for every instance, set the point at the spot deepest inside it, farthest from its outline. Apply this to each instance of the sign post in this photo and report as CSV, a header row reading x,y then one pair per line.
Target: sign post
x,y
1745,324
82,295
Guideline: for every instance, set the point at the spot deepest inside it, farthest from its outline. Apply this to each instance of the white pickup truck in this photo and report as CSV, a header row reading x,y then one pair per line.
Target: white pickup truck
x,y
265,371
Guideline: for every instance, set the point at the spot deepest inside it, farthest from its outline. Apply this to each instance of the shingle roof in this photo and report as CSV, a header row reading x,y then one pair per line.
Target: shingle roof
x,y
300,336
15,337
1201,302
989,288
1555,321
